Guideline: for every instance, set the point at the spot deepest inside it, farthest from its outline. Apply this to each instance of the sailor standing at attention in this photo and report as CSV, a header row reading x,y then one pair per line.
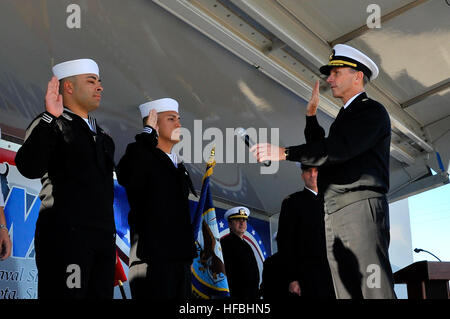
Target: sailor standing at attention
x,y
240,263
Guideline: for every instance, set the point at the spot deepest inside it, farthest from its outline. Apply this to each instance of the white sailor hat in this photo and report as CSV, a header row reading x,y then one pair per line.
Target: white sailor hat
x,y
237,212
75,67
346,56
161,105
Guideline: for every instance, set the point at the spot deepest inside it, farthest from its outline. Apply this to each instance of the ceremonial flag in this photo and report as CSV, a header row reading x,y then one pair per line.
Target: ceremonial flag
x,y
208,270
119,276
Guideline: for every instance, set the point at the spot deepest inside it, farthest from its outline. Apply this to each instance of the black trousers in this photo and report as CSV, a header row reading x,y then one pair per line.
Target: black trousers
x,y
74,263
316,281
357,249
161,280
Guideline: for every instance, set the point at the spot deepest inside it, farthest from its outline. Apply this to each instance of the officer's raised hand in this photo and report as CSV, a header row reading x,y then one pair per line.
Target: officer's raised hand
x,y
54,100
311,108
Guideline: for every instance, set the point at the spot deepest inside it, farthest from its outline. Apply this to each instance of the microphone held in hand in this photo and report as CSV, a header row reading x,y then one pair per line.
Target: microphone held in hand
x,y
242,133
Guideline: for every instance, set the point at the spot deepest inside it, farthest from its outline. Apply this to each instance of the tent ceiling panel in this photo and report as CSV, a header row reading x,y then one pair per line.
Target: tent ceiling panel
x,y
431,109
413,57
332,19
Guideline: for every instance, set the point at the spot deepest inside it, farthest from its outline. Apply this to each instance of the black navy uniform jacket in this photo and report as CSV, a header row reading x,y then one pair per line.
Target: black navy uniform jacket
x,y
159,206
301,242
76,170
354,158
275,279
241,267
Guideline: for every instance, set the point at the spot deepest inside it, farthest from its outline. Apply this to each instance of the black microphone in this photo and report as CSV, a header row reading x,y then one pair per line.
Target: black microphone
x,y
418,250
242,133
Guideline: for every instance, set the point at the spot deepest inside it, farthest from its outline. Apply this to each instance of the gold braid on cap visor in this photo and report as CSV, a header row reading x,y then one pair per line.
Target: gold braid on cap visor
x,y
341,62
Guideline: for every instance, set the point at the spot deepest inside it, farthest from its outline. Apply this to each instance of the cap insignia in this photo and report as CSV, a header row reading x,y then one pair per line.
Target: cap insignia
x,y
332,55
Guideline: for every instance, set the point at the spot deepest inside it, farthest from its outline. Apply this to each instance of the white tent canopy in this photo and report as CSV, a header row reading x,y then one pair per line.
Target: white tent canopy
x,y
290,39
236,63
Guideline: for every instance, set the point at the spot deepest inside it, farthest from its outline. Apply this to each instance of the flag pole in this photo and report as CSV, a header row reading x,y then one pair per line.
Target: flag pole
x,y
202,267
122,291
210,164
212,159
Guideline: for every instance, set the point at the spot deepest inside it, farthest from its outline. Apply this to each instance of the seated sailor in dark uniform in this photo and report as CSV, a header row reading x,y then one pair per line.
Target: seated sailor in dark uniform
x,y
157,186
240,263
354,176
74,157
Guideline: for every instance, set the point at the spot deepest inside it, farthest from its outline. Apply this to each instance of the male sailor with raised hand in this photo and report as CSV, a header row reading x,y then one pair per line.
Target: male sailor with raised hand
x,y
354,176
74,158
158,186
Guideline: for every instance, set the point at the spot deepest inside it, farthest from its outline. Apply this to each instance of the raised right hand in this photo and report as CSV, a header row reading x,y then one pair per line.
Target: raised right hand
x,y
54,100
313,103
152,119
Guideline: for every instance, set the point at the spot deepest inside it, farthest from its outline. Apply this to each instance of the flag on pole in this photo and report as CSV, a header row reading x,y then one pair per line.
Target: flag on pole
x,y
119,276
208,270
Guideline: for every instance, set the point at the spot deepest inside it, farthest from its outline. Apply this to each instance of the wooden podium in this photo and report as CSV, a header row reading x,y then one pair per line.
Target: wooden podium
x,y
425,279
